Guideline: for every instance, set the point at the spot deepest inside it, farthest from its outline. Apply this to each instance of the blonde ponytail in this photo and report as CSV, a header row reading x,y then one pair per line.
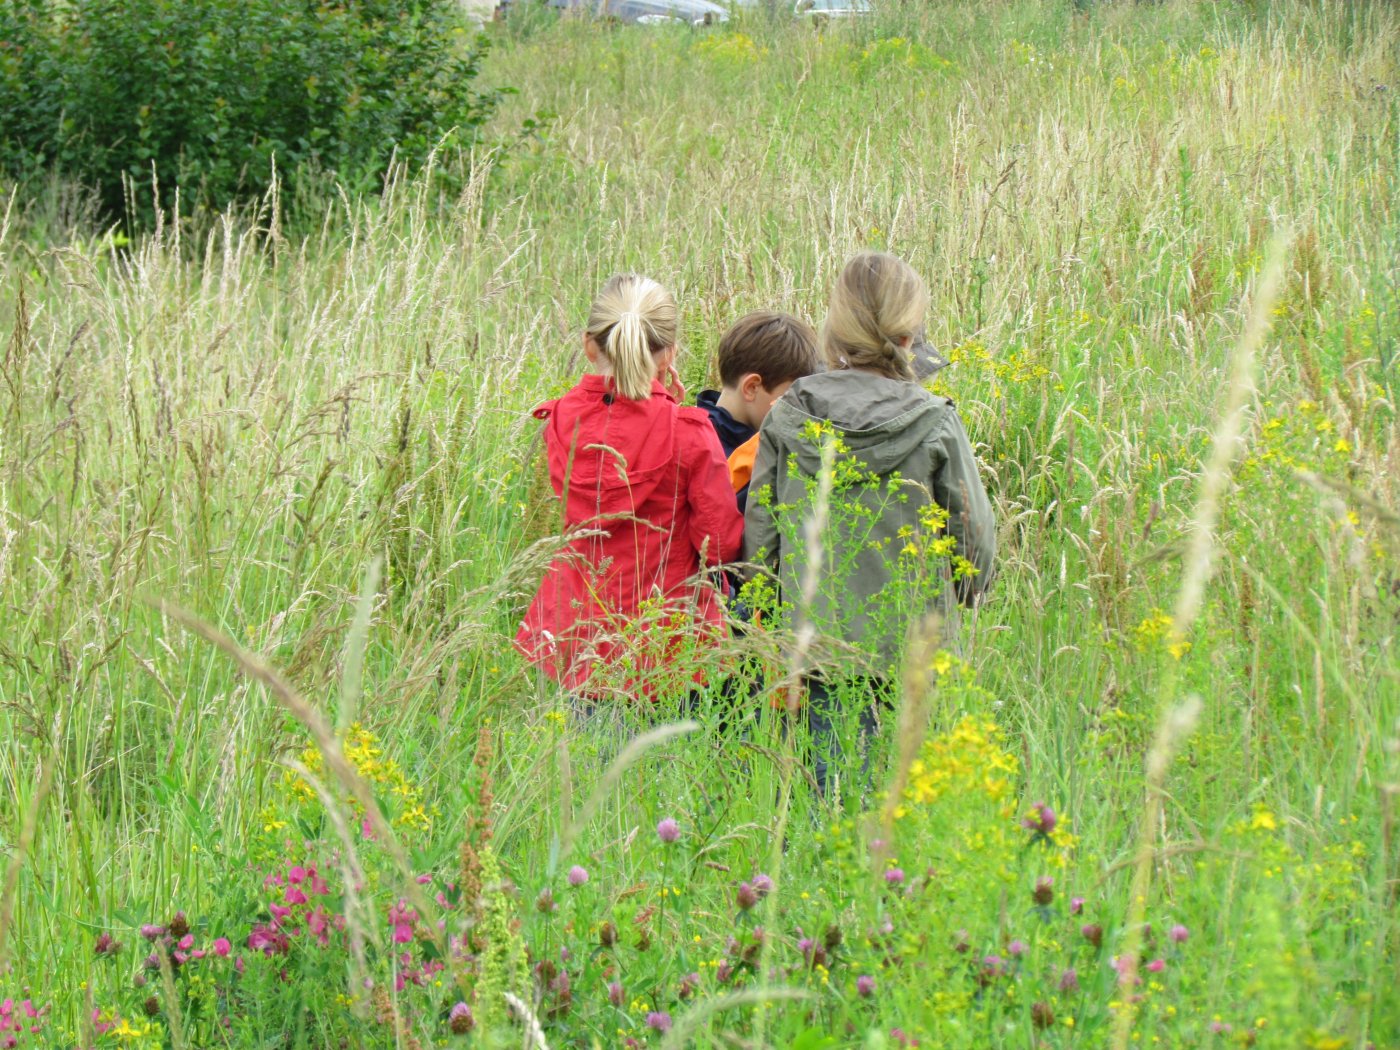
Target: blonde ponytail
x,y
633,319
877,303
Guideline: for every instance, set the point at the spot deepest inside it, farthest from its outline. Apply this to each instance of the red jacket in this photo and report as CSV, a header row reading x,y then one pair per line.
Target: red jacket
x,y
649,479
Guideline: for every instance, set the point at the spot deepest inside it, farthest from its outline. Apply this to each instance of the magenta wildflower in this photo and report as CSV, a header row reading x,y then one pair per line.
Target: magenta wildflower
x,y
659,1021
668,830
894,876
578,875
1178,934
1076,905
152,932
460,1019
1016,949
865,986
1093,933
1219,1027
615,993
268,940
689,985
402,918
1044,892
221,946
1069,981
106,945
746,898
1040,820
1156,966
762,885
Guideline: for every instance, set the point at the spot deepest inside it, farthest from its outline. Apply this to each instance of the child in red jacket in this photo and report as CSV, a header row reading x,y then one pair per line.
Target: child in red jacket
x,y
647,499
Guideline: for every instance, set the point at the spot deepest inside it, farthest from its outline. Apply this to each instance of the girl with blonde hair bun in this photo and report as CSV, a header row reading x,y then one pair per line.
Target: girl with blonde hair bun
x,y
646,491
920,479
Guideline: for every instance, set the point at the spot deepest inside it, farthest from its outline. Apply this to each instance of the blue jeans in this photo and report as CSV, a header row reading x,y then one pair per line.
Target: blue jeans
x,y
829,712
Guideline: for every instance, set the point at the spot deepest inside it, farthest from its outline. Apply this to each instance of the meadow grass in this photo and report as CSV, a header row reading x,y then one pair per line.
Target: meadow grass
x,y
314,436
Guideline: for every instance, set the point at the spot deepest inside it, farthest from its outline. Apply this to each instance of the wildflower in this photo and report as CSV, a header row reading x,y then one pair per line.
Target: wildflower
x,y
221,946
689,985
1041,1015
268,940
1093,933
544,903
1016,949
1156,966
762,885
668,830
724,971
460,1019
152,932
106,945
615,994
894,876
179,926
659,1021
1044,891
1178,934
1069,981
1041,820
1076,905
402,918
578,875
607,935
865,986
746,897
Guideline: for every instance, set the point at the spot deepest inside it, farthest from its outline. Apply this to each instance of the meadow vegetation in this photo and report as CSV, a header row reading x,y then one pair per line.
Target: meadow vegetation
x,y
270,509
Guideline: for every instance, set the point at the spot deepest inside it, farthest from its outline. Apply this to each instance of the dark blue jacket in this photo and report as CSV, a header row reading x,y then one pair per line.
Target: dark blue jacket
x,y
731,432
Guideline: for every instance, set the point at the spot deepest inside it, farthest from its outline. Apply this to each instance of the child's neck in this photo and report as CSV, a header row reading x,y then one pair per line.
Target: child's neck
x,y
733,402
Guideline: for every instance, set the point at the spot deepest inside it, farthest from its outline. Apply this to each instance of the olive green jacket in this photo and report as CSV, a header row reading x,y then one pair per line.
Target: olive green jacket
x,y
903,454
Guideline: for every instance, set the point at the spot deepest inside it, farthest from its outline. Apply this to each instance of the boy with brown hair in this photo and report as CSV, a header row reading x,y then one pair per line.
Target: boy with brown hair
x,y
760,356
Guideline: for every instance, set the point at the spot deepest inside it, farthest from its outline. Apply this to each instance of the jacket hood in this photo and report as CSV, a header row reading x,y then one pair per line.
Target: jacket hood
x,y
881,420
615,458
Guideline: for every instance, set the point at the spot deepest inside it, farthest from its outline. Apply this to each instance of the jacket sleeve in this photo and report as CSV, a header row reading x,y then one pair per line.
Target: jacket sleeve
x,y
760,528
957,486
716,526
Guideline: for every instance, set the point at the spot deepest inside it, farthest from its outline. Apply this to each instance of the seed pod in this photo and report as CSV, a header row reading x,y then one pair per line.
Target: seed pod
x,y
1041,1015
832,939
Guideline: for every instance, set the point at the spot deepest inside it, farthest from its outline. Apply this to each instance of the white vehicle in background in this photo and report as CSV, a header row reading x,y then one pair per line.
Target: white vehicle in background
x,y
696,13
820,12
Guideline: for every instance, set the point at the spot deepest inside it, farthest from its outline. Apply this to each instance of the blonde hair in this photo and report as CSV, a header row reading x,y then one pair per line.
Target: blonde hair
x,y
632,319
877,302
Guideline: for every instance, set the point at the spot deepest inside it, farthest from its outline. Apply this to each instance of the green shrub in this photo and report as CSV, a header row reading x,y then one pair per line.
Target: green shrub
x,y
208,94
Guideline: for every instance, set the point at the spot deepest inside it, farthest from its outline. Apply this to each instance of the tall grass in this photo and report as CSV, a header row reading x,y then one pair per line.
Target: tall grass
x,y
240,420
